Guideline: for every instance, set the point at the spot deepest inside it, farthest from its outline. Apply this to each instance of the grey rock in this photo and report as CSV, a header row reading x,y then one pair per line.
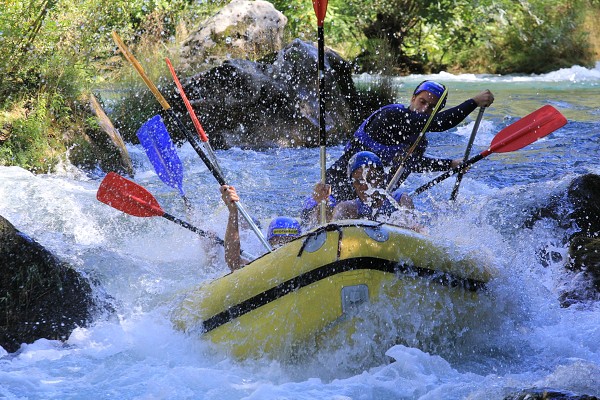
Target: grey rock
x,y
41,296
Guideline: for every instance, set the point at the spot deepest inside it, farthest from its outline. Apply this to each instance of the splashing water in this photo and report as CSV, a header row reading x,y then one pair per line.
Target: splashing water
x,y
519,338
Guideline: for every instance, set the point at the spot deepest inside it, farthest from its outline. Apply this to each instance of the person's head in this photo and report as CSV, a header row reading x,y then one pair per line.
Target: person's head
x,y
426,96
282,230
365,170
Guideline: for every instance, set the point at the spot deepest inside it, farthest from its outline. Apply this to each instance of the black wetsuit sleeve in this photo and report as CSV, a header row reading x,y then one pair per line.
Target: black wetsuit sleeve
x,y
441,122
451,117
391,127
395,126
418,162
429,164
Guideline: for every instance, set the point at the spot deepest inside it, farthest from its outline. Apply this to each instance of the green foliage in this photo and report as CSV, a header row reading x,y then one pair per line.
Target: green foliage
x,y
495,36
32,135
340,21
541,38
54,53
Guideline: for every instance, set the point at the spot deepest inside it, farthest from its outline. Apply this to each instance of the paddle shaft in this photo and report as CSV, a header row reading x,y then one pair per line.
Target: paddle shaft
x,y
200,232
190,137
322,128
449,173
320,7
193,117
467,153
193,228
188,106
394,181
218,176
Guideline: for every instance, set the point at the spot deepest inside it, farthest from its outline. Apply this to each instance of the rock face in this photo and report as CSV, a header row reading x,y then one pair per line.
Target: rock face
x,y
41,296
548,394
584,195
241,29
584,248
578,212
275,102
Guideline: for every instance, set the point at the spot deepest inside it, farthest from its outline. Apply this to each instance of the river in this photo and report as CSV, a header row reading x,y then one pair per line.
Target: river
x,y
526,340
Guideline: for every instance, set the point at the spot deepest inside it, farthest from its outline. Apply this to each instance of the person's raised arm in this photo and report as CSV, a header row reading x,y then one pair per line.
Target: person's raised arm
x,y
451,117
232,233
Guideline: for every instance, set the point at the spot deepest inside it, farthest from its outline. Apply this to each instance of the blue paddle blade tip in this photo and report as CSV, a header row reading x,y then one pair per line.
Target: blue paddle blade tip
x,y
159,148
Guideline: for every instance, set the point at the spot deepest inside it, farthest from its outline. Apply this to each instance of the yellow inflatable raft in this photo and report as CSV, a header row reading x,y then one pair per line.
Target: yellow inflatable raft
x,y
322,283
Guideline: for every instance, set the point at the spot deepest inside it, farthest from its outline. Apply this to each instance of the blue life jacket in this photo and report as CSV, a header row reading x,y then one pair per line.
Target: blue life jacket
x,y
385,152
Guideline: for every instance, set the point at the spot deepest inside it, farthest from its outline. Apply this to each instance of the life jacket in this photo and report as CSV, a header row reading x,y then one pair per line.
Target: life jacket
x,y
363,140
336,175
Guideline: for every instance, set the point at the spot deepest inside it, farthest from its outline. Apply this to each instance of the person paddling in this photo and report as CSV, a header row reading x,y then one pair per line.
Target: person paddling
x,y
281,230
370,200
365,170
391,130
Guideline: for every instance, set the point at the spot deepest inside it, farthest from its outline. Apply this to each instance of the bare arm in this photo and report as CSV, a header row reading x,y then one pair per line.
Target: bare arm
x,y
232,232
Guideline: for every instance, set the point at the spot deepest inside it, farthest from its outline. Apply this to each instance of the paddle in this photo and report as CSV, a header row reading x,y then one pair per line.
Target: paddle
x,y
525,131
320,7
194,141
161,152
192,115
467,153
394,181
131,198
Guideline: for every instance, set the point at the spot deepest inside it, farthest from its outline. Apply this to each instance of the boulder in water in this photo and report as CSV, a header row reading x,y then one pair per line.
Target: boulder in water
x,y
578,213
548,394
584,196
274,102
41,296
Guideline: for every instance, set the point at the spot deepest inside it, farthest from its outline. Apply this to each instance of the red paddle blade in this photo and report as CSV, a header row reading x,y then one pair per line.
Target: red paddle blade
x,y
528,129
128,196
320,7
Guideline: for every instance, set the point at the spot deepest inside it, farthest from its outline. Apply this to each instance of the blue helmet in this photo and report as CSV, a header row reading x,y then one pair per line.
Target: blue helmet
x,y
363,159
284,226
437,89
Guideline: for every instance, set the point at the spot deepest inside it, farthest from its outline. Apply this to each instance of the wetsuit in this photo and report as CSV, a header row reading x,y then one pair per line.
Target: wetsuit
x,y
389,132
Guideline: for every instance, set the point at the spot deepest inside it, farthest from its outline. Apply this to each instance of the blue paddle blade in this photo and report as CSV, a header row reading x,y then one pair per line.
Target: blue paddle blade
x,y
161,151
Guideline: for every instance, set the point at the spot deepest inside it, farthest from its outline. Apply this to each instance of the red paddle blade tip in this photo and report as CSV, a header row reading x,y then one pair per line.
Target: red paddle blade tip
x,y
320,7
127,196
528,129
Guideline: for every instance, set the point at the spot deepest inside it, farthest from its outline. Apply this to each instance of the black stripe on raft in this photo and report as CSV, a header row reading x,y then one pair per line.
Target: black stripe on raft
x,y
439,277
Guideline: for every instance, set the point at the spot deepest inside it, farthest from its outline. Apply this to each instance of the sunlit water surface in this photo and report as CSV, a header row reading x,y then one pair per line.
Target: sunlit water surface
x,y
522,339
